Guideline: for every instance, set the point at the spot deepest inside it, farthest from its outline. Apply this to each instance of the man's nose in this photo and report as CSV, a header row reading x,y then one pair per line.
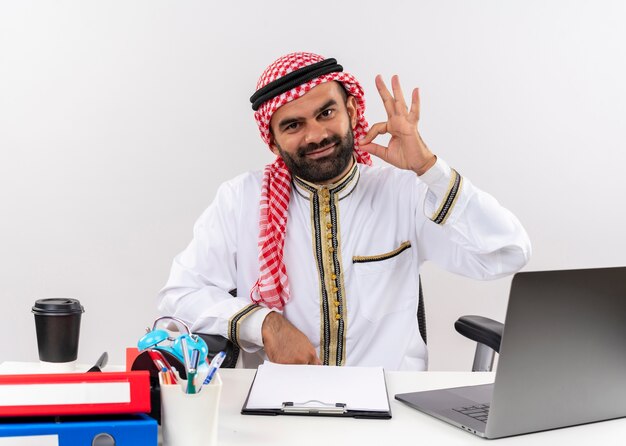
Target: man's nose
x,y
315,132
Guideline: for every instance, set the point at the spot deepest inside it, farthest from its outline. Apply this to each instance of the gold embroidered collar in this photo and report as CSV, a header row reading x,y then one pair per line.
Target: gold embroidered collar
x,y
343,187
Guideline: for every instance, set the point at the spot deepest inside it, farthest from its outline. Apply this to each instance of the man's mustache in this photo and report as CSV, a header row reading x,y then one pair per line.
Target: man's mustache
x,y
312,147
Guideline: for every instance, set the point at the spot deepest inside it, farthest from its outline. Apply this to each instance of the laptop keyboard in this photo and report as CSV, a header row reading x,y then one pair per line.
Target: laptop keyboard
x,y
479,412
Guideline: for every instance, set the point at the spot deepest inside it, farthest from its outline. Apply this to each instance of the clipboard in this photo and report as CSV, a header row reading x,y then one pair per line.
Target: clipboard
x,y
358,392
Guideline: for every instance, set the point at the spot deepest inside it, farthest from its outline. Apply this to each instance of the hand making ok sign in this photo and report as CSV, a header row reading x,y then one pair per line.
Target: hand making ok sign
x,y
406,150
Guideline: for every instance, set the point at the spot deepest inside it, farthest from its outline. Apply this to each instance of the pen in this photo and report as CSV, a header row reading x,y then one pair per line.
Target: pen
x,y
191,377
215,364
193,370
185,346
164,376
195,357
182,382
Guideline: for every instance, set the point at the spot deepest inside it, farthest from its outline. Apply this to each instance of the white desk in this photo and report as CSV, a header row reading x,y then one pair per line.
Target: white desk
x,y
407,427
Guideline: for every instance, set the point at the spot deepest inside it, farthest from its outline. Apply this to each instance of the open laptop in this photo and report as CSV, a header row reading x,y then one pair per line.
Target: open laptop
x,y
562,358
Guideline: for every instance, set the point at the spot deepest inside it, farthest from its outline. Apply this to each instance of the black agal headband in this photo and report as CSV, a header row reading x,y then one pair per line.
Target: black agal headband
x,y
292,80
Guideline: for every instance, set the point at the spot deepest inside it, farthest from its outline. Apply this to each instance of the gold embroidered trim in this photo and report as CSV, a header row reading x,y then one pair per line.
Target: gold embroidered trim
x,y
326,246
338,281
441,215
363,259
234,322
344,186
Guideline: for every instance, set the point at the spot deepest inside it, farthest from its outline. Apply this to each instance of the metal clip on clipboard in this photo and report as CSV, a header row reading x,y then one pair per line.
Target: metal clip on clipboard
x,y
314,407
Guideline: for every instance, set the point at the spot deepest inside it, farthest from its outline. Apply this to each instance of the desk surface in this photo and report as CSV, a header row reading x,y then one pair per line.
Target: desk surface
x,y
407,427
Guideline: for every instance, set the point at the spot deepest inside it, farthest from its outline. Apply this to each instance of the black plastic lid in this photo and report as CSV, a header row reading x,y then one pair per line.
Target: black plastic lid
x,y
57,306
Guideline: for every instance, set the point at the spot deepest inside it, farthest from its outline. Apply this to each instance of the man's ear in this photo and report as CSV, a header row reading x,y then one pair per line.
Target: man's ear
x,y
352,107
273,146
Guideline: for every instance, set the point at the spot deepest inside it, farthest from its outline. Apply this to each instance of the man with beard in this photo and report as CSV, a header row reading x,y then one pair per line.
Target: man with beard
x,y
323,249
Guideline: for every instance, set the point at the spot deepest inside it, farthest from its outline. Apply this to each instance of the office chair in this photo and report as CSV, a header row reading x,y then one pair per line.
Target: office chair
x,y
486,332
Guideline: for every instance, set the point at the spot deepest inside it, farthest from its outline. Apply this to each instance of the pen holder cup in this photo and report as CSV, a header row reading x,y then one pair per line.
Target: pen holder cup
x,y
190,419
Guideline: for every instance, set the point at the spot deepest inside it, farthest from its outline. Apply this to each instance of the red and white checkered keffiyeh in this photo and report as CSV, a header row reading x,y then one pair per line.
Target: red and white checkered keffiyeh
x,y
272,287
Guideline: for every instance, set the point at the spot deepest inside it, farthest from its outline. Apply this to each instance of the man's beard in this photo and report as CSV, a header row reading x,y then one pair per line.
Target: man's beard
x,y
321,170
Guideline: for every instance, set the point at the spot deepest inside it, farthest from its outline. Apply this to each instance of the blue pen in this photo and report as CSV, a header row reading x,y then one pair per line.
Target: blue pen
x,y
195,358
215,364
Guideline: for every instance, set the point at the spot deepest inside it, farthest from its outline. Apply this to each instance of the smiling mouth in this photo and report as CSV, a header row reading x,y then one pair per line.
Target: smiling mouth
x,y
320,153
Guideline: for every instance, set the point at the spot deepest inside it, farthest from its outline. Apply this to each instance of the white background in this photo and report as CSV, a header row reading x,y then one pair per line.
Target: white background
x,y
119,119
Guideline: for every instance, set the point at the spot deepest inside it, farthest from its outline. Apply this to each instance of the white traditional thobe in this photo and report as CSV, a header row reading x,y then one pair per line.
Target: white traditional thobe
x,y
352,252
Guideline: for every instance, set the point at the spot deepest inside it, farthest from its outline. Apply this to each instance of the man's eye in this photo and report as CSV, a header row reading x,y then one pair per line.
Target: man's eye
x,y
327,113
292,126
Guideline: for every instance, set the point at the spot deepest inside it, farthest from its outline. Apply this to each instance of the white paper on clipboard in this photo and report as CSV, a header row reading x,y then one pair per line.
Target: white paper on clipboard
x,y
359,388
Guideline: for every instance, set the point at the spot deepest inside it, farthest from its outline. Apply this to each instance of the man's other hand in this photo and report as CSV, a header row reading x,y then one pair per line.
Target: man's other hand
x,y
285,344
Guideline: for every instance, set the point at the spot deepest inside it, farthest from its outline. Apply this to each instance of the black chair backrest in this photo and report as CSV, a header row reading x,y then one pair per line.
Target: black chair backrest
x,y
421,313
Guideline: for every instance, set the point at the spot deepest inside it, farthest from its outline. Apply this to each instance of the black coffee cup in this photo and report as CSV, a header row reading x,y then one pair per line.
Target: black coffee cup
x,y
57,322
